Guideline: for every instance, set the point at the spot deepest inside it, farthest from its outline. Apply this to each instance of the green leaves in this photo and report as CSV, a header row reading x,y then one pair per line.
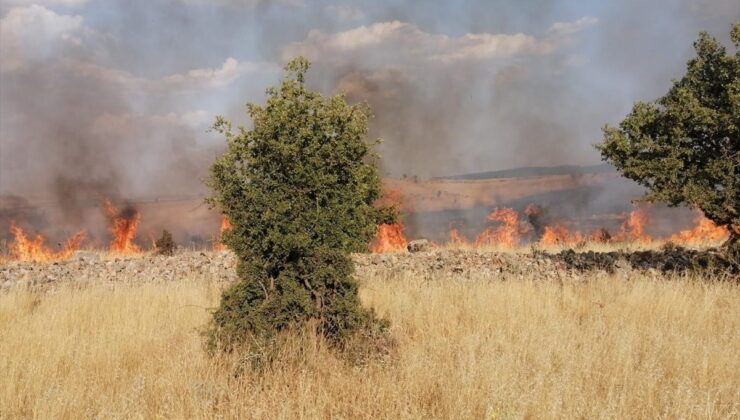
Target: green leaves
x,y
299,190
685,147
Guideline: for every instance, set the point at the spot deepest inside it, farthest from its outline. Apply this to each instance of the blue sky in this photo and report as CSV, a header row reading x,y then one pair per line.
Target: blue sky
x,y
118,94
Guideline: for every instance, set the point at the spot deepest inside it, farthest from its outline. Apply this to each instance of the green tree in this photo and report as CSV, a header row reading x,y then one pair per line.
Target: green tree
x,y
685,147
299,189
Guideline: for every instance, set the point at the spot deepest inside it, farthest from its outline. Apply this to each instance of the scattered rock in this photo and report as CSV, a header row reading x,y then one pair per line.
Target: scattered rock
x,y
87,256
419,245
422,262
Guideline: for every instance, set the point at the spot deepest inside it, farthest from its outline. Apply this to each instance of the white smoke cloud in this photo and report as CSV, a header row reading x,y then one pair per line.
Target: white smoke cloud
x,y
65,3
564,29
35,32
194,79
397,39
345,13
229,71
245,3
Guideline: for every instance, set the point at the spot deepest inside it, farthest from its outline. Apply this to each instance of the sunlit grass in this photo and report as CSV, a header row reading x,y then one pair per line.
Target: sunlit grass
x,y
592,347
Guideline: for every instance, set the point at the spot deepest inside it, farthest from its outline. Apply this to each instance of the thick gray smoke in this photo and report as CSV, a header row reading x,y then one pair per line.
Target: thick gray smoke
x,y
509,84
112,99
74,132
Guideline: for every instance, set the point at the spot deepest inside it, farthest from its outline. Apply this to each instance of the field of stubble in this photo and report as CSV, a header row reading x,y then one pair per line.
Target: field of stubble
x,y
593,346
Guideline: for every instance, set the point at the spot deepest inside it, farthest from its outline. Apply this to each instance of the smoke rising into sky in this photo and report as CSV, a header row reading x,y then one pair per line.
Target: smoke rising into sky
x,y
114,98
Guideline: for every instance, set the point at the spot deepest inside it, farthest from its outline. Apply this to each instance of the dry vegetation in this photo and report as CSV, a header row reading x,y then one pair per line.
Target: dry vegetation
x,y
594,347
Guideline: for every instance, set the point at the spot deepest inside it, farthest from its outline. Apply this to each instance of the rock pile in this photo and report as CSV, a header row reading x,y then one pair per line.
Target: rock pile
x,y
220,266
87,267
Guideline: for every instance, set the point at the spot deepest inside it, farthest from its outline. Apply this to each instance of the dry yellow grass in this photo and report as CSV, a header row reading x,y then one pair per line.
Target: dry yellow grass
x,y
597,348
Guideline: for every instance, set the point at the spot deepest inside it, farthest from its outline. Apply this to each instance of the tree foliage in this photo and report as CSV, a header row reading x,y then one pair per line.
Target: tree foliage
x,y
299,189
685,147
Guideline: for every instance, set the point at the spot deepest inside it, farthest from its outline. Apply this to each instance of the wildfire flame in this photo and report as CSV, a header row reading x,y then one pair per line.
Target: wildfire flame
x,y
507,229
508,233
705,231
558,234
390,238
633,228
225,225
122,226
601,236
456,238
25,249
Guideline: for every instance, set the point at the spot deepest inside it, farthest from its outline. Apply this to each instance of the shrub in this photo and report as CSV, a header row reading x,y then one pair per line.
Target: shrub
x,y
299,189
165,244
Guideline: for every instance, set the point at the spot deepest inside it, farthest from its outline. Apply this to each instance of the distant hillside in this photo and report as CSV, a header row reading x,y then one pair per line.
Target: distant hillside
x,y
535,171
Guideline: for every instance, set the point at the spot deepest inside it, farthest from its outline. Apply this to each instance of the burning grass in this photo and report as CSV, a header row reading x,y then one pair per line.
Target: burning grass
x,y
589,347
218,245
122,225
24,248
507,231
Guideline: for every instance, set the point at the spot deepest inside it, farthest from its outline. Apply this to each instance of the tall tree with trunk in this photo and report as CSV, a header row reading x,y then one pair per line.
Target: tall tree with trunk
x,y
685,147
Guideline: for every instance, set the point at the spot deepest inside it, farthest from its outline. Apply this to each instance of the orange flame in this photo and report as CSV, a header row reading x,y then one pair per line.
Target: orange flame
x,y
559,234
25,249
508,233
456,238
122,227
533,210
390,238
600,235
225,225
633,228
705,231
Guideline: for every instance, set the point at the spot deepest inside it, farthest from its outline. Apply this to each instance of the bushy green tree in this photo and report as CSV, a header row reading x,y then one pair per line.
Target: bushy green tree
x,y
685,147
299,189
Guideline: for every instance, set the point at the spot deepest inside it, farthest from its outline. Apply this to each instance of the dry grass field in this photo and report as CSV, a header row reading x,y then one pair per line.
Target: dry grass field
x,y
596,347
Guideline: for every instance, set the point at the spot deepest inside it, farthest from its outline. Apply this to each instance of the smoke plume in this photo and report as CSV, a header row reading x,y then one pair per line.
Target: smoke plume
x,y
112,99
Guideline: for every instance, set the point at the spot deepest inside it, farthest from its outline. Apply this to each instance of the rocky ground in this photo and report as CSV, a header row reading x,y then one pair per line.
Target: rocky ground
x,y
88,267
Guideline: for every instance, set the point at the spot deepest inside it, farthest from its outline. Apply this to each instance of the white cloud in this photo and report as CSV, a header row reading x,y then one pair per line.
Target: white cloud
x,y
245,3
401,39
202,78
566,29
229,71
33,33
488,46
345,13
66,3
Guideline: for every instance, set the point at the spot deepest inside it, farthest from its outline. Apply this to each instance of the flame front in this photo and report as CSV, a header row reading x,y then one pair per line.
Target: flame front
x,y
508,233
456,238
390,238
633,228
601,236
25,249
558,234
122,227
705,231
225,225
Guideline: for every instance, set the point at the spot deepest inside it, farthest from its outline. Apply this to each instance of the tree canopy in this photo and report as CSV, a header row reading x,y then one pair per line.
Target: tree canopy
x,y
685,147
298,189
